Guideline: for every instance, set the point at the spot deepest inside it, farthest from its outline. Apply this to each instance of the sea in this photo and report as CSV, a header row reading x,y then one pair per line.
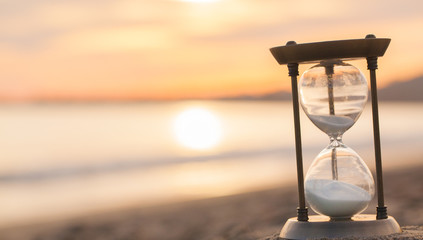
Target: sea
x,y
64,160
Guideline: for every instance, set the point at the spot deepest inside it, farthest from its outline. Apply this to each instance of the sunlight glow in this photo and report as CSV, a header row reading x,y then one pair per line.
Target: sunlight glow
x,y
198,1
197,128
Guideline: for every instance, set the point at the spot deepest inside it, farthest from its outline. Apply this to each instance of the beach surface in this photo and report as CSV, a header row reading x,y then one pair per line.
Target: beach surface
x,y
253,215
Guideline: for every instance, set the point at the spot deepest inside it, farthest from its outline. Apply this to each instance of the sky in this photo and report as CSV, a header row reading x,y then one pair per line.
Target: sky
x,y
174,49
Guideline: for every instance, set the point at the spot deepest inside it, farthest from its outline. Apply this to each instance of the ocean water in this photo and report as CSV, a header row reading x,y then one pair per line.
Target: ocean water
x,y
65,160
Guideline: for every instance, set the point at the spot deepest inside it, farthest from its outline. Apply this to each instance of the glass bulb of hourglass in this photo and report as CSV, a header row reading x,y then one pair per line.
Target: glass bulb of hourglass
x,y
338,183
339,191
333,95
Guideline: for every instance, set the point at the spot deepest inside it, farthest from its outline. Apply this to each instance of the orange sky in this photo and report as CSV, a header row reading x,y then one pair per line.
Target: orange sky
x,y
167,49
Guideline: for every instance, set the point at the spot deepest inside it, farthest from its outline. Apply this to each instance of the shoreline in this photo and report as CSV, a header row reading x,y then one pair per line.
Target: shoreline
x,y
252,215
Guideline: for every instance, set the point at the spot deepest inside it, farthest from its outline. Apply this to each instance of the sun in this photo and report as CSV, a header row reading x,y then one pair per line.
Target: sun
x,y
197,128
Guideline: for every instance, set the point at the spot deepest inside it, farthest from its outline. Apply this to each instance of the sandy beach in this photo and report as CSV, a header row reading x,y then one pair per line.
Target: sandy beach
x,y
245,216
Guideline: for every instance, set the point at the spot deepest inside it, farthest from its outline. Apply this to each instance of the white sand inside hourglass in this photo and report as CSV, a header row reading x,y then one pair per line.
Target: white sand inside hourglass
x,y
332,123
335,198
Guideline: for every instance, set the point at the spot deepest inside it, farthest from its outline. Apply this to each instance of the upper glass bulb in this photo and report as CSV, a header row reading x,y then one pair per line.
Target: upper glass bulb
x,y
333,95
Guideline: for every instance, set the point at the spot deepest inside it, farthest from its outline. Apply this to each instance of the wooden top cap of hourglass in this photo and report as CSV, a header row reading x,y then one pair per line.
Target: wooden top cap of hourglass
x,y
340,49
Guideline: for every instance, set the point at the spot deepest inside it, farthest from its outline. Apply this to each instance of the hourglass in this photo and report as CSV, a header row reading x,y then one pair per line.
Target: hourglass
x,y
338,185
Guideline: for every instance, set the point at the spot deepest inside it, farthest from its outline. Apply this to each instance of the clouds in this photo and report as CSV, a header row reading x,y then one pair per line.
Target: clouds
x,y
154,49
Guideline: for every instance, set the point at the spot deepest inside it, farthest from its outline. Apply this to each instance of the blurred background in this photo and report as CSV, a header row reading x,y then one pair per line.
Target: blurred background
x,y
112,105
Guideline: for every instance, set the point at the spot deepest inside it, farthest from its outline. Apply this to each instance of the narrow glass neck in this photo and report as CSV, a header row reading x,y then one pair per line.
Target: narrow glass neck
x,y
336,141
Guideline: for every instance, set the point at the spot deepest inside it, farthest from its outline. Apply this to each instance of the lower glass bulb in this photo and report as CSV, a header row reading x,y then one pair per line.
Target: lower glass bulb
x,y
338,183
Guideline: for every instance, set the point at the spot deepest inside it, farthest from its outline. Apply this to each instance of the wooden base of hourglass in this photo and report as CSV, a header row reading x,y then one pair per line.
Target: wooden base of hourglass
x,y
363,225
